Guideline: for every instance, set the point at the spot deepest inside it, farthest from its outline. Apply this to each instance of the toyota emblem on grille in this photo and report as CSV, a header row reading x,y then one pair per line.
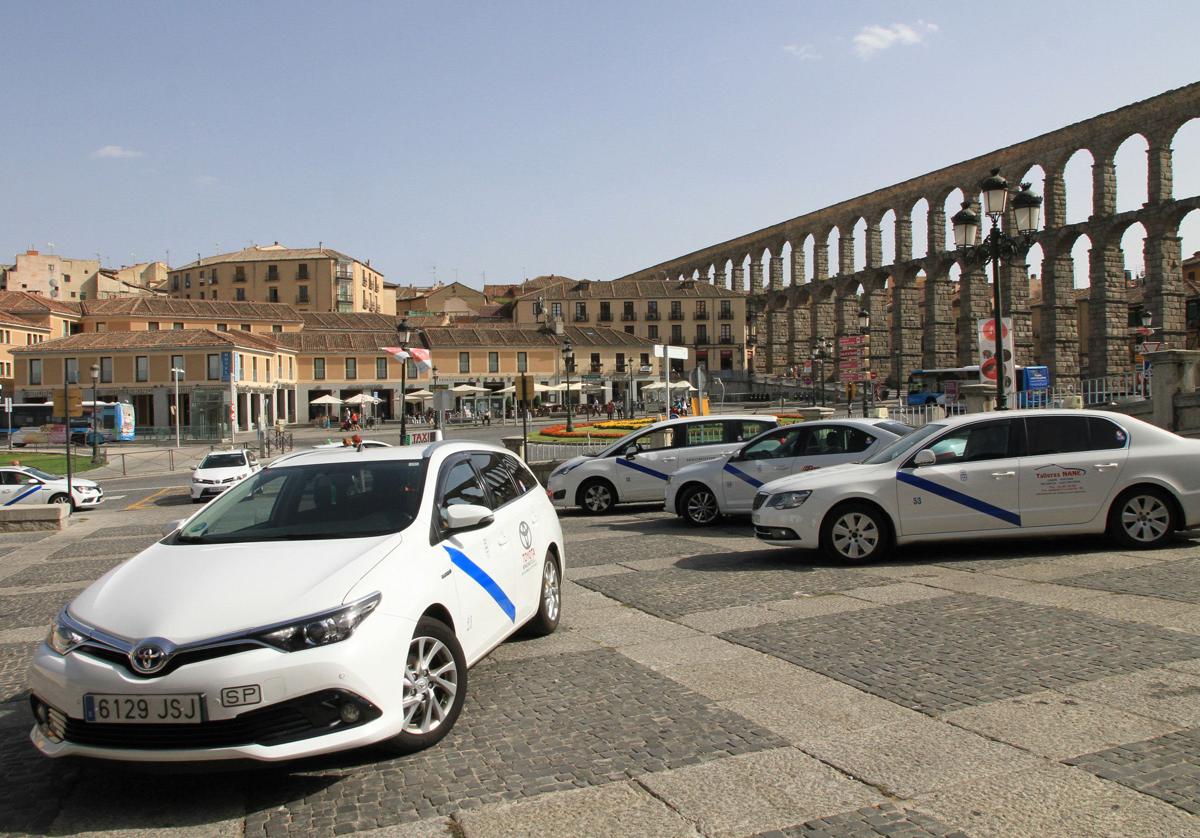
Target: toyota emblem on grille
x,y
148,657
526,535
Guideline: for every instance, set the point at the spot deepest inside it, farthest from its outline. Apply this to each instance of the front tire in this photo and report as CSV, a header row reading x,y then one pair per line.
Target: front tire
x,y
698,506
435,684
1142,518
62,498
596,496
856,533
549,600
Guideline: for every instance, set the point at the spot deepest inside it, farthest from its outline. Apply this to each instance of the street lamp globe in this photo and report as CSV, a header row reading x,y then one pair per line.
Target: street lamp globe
x,y
864,321
1027,207
995,194
403,332
966,226
1146,318
95,374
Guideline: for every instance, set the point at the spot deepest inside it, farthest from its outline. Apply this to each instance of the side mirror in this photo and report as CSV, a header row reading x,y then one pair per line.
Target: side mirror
x,y
193,468
33,481
171,526
925,457
631,452
465,516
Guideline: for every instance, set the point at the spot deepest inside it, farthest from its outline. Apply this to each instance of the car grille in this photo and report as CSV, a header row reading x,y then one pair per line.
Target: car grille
x,y
177,660
288,721
760,499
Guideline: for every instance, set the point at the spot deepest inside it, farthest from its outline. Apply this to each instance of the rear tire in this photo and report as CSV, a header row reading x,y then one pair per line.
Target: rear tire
x,y
435,684
1142,518
596,496
698,506
856,533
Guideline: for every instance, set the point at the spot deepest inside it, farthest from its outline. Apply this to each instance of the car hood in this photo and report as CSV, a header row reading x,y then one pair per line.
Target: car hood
x,y
221,473
821,478
189,592
572,463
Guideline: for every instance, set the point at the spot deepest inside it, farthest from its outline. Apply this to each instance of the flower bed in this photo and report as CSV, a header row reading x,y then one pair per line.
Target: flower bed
x,y
613,429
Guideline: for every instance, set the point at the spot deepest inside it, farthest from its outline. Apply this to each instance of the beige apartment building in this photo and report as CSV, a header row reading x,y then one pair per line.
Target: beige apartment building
x,y
52,276
309,278
706,318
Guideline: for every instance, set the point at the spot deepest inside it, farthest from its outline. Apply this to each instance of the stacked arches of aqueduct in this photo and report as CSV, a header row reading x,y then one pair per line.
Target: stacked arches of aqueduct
x,y
912,300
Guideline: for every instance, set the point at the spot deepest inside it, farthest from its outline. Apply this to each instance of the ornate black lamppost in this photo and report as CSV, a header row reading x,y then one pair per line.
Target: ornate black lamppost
x,y
864,329
1027,209
568,355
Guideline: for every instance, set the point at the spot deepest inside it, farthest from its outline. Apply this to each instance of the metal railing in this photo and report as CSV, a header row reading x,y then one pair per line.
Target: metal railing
x,y
542,451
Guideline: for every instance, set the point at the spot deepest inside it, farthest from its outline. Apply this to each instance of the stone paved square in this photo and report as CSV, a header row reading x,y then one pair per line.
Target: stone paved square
x,y
33,609
105,547
128,532
1166,767
14,661
721,580
49,573
591,552
1177,580
885,819
528,727
947,653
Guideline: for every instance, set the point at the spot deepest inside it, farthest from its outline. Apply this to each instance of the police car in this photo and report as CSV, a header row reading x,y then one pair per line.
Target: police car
x,y
636,467
702,493
992,475
328,602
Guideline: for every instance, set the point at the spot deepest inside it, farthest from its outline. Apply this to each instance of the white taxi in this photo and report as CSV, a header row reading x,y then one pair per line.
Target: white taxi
x,y
328,602
636,467
992,475
702,493
219,471
25,484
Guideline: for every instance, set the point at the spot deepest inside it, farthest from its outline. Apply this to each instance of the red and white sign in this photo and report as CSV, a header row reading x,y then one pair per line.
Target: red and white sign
x,y
988,364
420,357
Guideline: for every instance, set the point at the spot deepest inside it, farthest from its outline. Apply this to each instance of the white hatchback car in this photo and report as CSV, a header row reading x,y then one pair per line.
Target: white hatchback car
x,y
990,475
330,602
221,470
25,484
702,493
636,467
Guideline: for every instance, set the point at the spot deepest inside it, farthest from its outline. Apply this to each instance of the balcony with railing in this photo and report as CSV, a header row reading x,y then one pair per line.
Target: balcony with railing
x,y
596,368
725,341
725,314
303,299
701,314
580,317
628,316
343,273
605,317
675,315
653,315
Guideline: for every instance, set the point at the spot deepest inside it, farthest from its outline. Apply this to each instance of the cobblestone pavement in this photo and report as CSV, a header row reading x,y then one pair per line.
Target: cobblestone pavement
x,y
701,685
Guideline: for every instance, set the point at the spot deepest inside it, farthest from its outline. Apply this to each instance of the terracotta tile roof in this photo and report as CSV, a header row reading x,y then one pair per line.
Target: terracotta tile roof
x,y
206,309
634,289
495,292
20,322
495,336
161,339
24,302
271,253
412,292
358,341
348,322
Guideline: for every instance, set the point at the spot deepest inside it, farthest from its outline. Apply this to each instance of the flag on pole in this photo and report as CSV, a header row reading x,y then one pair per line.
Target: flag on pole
x,y
420,357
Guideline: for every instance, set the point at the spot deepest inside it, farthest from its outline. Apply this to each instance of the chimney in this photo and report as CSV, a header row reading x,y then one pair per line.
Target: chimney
x,y
31,253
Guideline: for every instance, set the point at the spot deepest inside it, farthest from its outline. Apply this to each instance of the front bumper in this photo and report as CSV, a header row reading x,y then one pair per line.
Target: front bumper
x,y
210,490
297,716
87,501
786,527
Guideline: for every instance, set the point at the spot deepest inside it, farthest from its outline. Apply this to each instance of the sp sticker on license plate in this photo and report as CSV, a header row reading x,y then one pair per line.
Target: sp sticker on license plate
x,y
241,696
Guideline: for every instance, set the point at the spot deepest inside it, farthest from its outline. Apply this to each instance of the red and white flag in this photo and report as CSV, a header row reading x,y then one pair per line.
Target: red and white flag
x,y
420,357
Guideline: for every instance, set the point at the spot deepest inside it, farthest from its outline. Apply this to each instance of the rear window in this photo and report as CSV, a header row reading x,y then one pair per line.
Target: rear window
x,y
1106,434
898,428
1057,435
705,433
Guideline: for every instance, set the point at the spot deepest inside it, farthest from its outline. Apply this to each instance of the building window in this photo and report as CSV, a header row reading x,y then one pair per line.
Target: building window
x,y
726,333
652,332
214,295
302,294
302,271
101,327
645,359
627,312
493,362
522,362
291,371
726,310
652,310
245,327
177,364
381,369
268,370
202,295
726,359
276,329
254,367
464,361
580,312
213,281
595,362
676,334
351,369
272,273
319,369
239,294
629,330
272,295
141,368
35,371
106,370
177,327
701,310
620,362
72,368
701,333
214,366
175,283
187,280
556,311
222,327
152,326
239,273
605,311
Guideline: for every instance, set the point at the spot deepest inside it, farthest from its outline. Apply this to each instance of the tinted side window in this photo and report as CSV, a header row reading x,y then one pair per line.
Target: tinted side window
x,y
656,440
1106,434
781,442
1056,435
497,477
522,476
705,433
10,478
984,441
460,485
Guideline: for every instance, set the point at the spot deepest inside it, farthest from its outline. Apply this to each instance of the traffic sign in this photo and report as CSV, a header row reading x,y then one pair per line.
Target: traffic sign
x,y
1152,345
74,408
524,388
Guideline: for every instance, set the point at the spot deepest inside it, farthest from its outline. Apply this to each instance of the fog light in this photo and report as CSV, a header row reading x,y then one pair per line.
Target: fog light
x,y
40,712
350,712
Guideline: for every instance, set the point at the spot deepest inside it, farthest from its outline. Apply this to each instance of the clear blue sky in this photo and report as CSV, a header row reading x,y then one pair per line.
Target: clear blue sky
x,y
579,138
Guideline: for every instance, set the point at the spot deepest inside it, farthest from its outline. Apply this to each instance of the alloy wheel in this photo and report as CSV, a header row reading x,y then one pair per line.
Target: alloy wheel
x,y
430,685
701,507
597,497
855,535
1145,518
550,590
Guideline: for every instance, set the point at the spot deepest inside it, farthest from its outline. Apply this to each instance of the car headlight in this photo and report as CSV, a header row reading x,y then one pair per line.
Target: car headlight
x,y
787,500
320,629
62,638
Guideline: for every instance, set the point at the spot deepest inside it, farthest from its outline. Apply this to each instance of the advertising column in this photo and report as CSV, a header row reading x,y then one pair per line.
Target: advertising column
x,y
985,333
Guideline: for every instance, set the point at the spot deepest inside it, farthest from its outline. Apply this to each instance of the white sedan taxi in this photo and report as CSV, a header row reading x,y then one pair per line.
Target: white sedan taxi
x,y
702,493
993,475
25,484
333,601
221,470
637,466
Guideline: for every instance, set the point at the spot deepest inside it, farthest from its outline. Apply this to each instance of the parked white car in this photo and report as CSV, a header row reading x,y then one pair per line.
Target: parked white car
x,y
330,602
636,467
993,475
24,484
220,471
702,493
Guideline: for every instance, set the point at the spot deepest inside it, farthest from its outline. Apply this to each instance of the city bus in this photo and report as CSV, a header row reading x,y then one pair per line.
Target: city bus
x,y
33,422
930,386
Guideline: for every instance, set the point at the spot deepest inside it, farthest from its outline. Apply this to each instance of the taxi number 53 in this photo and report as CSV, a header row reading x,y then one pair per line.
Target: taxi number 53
x,y
916,500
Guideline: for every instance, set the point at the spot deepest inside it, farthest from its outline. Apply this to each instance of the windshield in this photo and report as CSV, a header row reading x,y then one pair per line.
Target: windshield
x,y
230,460
317,501
904,444
44,475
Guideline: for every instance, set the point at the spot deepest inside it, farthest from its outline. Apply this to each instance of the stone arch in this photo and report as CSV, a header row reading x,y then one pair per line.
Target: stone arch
x,y
887,237
807,248
1035,175
1077,177
833,249
1185,154
785,254
918,215
1131,163
952,203
859,231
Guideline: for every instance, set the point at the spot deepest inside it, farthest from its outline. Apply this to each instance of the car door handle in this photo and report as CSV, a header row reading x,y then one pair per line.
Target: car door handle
x,y
1105,466
1000,475
668,459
